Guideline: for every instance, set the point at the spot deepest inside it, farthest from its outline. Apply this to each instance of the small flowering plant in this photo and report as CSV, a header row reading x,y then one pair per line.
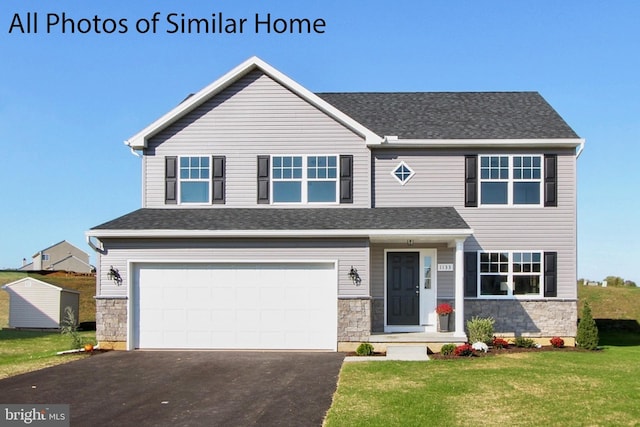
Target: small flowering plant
x,y
464,350
557,342
500,343
444,308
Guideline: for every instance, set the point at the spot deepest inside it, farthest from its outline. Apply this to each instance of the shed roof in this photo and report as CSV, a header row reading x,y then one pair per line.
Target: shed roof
x,y
40,282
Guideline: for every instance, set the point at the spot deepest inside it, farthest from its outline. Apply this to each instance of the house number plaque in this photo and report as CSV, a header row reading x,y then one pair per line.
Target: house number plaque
x,y
445,267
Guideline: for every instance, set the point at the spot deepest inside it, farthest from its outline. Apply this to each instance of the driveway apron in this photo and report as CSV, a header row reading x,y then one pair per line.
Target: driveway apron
x,y
179,388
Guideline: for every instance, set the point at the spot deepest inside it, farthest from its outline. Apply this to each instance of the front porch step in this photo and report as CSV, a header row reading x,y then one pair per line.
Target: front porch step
x,y
407,352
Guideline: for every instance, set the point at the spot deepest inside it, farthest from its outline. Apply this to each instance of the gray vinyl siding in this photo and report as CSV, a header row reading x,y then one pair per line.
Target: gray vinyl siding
x,y
254,116
439,181
348,253
445,255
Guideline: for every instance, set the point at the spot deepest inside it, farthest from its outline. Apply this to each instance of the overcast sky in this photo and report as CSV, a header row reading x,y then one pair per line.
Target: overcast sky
x,y
91,74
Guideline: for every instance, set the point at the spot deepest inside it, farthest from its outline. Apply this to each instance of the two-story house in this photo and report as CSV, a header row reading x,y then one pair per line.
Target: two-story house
x,y
278,218
62,256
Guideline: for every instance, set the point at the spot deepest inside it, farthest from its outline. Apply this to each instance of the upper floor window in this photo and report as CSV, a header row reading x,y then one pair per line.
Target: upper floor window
x,y
402,173
304,179
510,180
510,273
45,257
194,179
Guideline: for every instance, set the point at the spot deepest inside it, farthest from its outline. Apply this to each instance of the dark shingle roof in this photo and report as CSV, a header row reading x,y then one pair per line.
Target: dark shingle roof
x,y
453,115
430,218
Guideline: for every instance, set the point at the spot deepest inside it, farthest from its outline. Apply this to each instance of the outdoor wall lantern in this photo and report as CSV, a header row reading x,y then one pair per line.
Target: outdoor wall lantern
x,y
354,276
114,275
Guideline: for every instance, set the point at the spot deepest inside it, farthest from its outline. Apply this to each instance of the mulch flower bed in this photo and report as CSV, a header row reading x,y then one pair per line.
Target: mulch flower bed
x,y
508,350
375,353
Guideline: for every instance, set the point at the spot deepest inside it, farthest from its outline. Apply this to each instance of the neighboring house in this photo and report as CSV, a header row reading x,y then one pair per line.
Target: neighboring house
x,y
277,218
62,256
37,304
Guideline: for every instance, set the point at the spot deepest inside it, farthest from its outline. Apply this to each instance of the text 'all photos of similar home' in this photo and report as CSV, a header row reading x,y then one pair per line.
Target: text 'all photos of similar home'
x,y
158,22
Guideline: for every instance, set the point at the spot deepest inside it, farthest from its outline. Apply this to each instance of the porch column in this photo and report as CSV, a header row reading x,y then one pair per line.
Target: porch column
x,y
459,289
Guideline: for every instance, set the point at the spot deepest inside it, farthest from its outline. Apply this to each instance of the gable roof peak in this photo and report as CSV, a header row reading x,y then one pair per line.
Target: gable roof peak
x,y
139,140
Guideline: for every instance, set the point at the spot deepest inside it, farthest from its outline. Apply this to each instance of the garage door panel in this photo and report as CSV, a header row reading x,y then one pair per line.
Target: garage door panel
x,y
244,306
199,320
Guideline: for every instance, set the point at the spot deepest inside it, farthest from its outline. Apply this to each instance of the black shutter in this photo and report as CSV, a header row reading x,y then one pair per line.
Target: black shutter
x,y
550,180
470,274
170,180
346,179
218,174
263,179
471,181
550,274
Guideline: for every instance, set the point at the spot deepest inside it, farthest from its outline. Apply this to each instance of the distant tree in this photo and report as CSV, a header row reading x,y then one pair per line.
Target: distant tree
x,y
587,336
580,282
614,281
630,283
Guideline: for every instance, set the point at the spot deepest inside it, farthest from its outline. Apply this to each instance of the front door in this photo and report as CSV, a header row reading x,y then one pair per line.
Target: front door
x,y
403,288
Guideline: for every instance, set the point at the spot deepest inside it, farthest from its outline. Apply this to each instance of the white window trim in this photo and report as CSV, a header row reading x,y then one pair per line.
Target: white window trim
x,y
180,180
510,275
304,180
510,181
402,163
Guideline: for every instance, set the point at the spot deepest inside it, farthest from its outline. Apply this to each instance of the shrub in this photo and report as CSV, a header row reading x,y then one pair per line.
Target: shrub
x,y
557,342
464,350
447,349
69,326
364,349
500,343
524,342
480,329
587,336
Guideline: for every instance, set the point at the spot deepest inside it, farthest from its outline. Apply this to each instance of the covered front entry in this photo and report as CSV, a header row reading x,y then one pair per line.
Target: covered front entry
x,y
235,306
410,291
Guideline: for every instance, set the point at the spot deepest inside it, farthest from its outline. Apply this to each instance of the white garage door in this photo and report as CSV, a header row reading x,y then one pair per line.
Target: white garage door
x,y
235,306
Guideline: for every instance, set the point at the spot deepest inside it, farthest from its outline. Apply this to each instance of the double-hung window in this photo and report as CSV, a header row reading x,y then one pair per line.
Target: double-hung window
x,y
304,179
510,180
194,179
510,273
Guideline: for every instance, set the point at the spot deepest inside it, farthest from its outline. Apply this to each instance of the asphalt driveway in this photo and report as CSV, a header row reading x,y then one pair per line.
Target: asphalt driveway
x,y
176,388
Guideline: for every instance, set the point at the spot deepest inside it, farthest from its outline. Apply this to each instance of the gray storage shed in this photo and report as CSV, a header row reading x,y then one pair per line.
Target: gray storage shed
x,y
37,304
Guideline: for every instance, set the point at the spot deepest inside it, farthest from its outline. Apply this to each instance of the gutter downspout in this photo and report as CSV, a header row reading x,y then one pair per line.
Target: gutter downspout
x,y
97,248
133,151
580,148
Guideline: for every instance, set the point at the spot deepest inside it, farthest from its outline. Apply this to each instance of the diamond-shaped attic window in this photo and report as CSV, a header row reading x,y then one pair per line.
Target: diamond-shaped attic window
x,y
402,173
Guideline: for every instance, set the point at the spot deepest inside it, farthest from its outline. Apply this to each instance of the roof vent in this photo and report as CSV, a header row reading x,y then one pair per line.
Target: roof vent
x,y
389,138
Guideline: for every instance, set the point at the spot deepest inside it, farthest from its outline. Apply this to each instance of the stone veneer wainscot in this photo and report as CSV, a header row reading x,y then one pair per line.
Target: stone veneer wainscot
x,y
354,319
111,322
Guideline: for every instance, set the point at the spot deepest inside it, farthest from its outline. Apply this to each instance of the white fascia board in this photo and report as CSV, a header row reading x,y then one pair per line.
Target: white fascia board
x,y
489,143
139,140
449,233
24,279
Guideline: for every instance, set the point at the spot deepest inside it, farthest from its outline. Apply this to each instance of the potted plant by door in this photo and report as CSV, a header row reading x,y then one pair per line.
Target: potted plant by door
x,y
443,310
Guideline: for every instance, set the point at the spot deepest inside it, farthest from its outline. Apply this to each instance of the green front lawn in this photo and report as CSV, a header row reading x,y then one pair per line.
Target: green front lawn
x,y
567,388
25,351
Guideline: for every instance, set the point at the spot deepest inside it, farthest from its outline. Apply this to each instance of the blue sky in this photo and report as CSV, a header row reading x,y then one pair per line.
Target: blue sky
x,y
68,101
